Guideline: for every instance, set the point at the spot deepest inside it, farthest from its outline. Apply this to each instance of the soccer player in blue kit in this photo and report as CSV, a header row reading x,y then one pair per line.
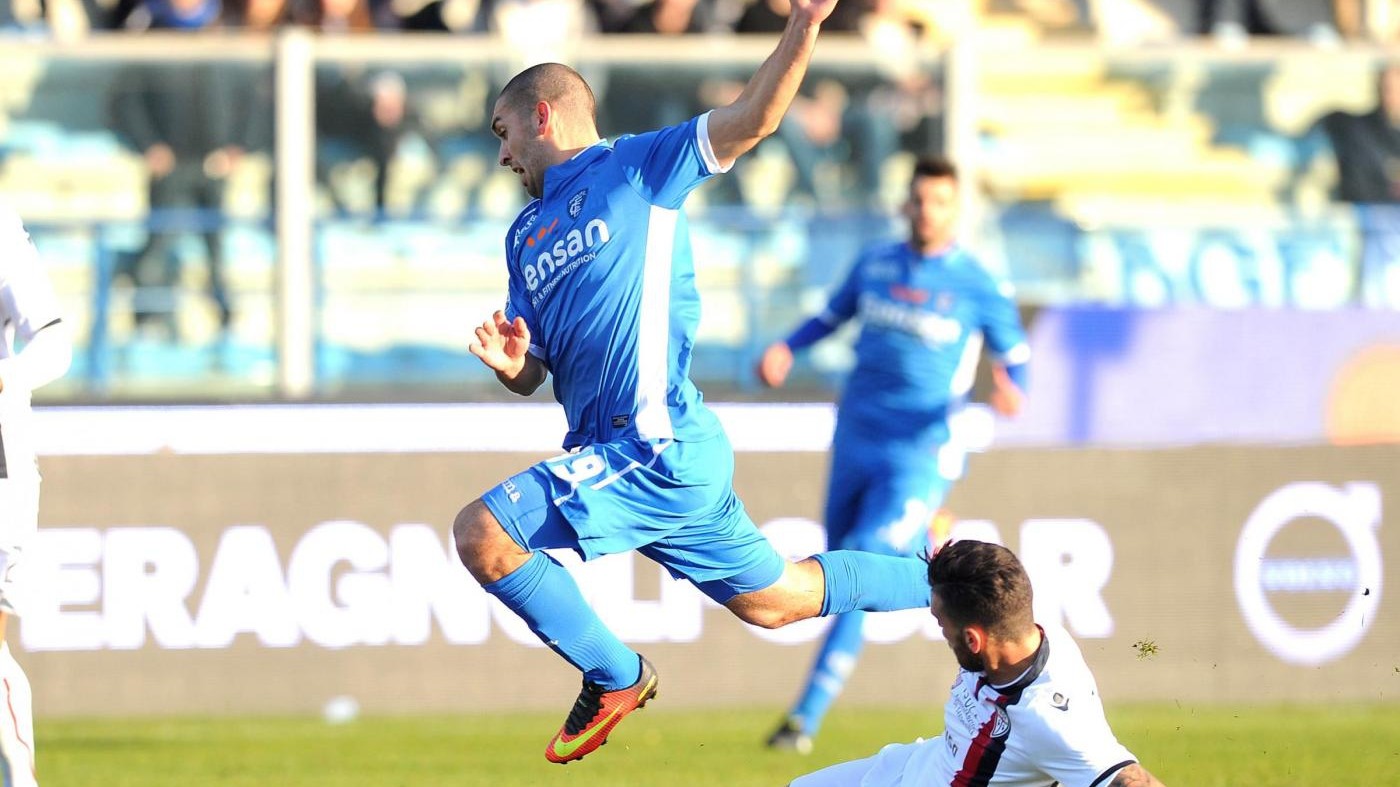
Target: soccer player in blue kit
x,y
925,306
602,295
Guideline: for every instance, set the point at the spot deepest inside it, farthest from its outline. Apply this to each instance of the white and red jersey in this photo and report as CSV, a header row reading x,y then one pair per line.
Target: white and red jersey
x,y
1046,728
35,348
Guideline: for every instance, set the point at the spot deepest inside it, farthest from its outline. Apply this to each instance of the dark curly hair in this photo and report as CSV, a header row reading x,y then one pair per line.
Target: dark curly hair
x,y
983,584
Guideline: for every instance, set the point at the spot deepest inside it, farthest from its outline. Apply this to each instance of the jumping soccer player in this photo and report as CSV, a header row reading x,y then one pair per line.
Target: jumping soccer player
x,y
925,306
1024,710
602,294
30,314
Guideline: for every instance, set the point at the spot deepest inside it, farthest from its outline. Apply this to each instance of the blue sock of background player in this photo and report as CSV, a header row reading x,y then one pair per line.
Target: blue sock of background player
x,y
839,653
834,663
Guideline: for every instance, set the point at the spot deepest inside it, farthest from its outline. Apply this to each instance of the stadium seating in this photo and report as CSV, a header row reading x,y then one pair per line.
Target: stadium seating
x,y
1073,141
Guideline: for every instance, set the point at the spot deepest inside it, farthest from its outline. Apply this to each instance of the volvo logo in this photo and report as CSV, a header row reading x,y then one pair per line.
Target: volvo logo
x,y
1355,511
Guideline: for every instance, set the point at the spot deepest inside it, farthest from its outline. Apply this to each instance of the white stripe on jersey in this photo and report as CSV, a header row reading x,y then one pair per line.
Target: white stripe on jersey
x,y
654,328
966,372
707,148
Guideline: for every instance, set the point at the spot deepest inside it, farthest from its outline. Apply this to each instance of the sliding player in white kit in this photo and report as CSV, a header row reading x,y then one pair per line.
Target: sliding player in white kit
x,y
29,313
1024,710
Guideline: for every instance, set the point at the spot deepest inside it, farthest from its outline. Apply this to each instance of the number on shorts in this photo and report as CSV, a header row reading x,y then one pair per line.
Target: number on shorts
x,y
576,469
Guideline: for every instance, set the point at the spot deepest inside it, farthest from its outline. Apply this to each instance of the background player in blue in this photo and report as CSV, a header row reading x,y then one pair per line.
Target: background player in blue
x,y
925,306
602,295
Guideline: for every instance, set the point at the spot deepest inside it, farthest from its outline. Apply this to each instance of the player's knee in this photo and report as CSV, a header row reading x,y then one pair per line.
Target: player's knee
x,y
468,531
483,545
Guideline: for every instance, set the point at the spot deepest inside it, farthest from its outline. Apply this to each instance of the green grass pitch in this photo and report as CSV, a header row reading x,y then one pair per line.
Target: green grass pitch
x,y
1186,746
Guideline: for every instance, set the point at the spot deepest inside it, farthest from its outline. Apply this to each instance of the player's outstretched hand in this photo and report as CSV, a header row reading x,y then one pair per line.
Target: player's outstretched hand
x,y
814,10
775,364
1005,397
501,344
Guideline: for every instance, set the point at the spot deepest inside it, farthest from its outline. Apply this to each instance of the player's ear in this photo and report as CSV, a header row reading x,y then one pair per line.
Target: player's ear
x,y
543,116
975,638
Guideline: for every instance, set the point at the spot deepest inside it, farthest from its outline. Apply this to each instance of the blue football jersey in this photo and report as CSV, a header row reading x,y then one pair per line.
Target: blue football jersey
x,y
923,321
601,270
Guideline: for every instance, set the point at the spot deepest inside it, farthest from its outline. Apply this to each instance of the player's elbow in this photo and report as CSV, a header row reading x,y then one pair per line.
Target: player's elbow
x,y
738,128
758,120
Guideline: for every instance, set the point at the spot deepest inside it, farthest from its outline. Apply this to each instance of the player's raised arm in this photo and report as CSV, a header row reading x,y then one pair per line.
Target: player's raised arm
x,y
736,128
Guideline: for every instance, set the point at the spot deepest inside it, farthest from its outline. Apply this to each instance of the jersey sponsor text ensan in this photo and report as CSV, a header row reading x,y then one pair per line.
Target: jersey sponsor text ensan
x,y
564,257
929,326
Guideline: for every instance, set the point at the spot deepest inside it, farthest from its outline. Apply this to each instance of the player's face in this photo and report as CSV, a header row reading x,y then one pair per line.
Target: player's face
x,y
956,637
519,150
932,211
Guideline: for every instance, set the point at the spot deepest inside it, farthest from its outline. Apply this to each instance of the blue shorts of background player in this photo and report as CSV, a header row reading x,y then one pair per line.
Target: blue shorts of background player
x,y
881,496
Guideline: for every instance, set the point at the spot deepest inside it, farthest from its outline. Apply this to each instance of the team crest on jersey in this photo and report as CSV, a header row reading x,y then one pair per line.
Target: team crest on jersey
x,y
576,204
1001,724
1060,701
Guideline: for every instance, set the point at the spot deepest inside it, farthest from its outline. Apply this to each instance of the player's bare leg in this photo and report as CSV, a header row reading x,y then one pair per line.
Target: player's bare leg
x,y
484,547
797,595
835,582
544,595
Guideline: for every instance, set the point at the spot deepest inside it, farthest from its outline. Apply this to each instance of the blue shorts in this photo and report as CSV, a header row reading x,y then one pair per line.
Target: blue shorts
x,y
672,501
882,496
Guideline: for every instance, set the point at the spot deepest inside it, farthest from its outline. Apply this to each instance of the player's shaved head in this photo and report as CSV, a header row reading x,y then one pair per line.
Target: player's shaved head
x,y
983,584
555,84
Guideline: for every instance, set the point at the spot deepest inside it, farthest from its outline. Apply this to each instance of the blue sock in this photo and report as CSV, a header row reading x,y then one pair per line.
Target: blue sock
x,y
835,662
874,583
545,596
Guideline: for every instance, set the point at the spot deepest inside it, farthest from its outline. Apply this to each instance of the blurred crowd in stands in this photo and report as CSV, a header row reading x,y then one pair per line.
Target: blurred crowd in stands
x,y
193,126
1229,21
852,125
554,21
